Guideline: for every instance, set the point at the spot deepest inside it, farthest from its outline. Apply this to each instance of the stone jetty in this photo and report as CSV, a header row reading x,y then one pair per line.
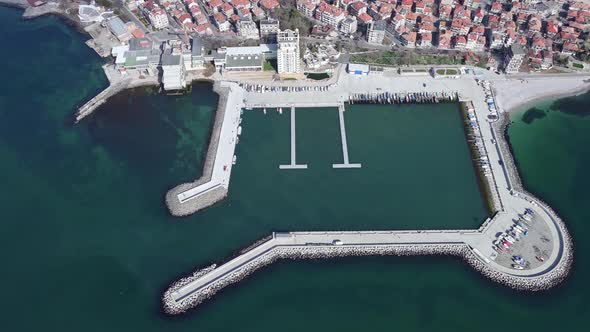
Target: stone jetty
x,y
212,186
117,83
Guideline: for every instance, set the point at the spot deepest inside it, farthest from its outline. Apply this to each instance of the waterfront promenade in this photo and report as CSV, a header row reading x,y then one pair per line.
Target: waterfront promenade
x,y
475,246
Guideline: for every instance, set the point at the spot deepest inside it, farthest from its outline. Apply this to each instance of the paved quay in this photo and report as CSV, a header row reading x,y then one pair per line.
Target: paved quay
x,y
549,237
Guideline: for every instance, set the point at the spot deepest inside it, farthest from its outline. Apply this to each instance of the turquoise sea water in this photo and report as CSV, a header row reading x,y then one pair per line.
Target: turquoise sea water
x,y
87,245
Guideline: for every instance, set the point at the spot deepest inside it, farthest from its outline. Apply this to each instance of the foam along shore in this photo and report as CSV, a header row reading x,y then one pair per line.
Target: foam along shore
x,y
515,93
213,185
491,249
36,11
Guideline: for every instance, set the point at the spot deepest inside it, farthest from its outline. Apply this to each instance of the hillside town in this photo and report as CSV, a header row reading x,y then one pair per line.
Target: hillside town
x,y
291,37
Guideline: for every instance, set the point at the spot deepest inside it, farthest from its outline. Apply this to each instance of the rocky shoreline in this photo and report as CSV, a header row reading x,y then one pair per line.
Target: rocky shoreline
x,y
501,130
207,199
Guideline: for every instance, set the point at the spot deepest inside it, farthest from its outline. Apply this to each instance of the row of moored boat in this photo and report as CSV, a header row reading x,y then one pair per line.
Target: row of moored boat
x,y
403,97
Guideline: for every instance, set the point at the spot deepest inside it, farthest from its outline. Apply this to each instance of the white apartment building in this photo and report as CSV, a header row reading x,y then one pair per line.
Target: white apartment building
x,y
247,29
288,59
376,32
348,25
158,18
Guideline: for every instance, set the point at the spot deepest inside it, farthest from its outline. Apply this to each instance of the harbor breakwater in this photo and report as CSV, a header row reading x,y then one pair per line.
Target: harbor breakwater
x,y
480,162
500,130
214,195
173,306
128,83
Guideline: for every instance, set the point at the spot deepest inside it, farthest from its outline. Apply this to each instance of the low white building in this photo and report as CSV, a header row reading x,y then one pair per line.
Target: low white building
x,y
358,69
173,71
348,25
91,13
247,29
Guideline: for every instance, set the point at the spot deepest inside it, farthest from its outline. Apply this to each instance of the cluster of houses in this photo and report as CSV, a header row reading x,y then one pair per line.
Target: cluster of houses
x,y
541,29
206,17
178,54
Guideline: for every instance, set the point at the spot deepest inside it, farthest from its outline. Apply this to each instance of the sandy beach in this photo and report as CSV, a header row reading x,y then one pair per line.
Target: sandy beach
x,y
515,93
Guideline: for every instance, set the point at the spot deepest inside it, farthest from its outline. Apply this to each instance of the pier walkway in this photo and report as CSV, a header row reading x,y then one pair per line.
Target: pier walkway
x,y
346,163
224,157
293,164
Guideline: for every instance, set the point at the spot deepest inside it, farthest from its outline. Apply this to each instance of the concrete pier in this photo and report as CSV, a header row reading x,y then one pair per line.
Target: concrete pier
x,y
346,163
293,164
213,185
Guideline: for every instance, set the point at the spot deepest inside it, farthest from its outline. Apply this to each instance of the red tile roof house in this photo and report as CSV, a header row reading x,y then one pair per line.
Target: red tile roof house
x,y
425,27
329,14
419,8
213,4
426,39
460,42
411,19
444,41
245,12
569,48
204,29
444,12
409,39
475,42
222,23
226,9
407,4
535,59
358,8
383,13
189,26
478,16
201,19
538,44
241,3
258,12
191,4
195,11
364,18
534,24
184,18
306,7
268,5
496,8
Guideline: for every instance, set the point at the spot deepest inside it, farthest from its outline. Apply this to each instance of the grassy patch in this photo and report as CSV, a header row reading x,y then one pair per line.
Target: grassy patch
x,y
270,65
318,76
447,71
395,58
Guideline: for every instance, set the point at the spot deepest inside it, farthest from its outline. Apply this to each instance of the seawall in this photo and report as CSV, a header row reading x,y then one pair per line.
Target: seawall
x,y
173,306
